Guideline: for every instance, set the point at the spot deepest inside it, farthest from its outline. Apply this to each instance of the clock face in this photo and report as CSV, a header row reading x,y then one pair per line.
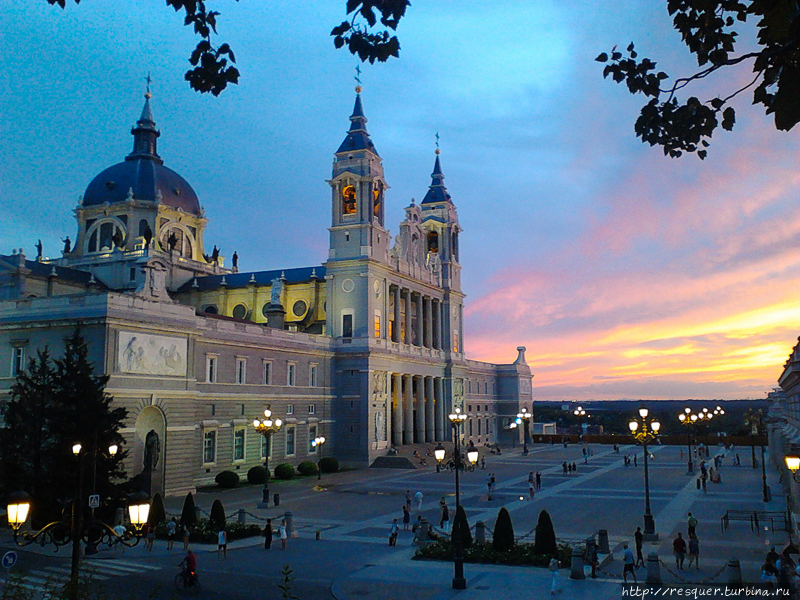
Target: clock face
x,y
376,286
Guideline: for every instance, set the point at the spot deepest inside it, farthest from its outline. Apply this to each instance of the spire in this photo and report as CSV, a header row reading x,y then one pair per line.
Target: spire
x,y
437,192
357,136
145,133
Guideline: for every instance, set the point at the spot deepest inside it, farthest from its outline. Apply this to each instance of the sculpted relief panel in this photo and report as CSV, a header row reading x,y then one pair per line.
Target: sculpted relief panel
x,y
146,354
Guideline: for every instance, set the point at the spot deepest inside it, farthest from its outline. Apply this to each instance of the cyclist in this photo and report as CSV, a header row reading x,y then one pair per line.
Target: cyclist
x,y
189,569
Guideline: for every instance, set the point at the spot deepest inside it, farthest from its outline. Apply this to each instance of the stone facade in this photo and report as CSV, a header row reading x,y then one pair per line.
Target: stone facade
x,y
366,349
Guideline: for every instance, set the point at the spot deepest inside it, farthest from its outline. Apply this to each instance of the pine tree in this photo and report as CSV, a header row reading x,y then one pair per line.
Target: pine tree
x,y
461,527
503,539
158,514
188,514
217,515
545,542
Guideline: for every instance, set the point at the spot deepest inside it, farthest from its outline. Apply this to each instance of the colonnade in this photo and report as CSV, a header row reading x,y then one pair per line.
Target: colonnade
x,y
428,330
419,411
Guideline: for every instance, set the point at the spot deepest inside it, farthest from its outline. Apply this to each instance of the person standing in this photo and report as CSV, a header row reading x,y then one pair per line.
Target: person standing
x,y
268,534
483,463
531,492
406,516
638,537
694,551
222,543
538,480
691,526
408,498
679,548
172,527
445,521
150,536
393,532
493,481
635,464
186,534
283,534
553,566
628,564
418,498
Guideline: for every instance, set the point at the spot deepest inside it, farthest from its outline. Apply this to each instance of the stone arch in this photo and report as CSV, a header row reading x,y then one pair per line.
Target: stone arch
x,y
150,421
100,236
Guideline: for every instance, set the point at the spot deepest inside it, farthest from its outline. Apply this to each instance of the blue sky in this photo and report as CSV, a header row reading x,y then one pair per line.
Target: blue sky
x,y
625,273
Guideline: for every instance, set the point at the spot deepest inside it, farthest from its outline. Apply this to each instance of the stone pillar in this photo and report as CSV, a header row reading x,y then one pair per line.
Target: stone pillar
x,y
397,409
602,542
734,572
576,568
429,410
480,532
396,329
427,309
408,409
440,416
653,570
437,324
420,321
419,402
407,328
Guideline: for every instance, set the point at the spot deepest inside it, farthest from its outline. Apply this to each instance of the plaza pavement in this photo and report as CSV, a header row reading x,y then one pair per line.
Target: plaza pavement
x,y
353,511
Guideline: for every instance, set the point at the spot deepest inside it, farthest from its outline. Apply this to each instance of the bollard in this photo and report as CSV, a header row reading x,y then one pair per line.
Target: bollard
x,y
734,572
319,535
480,532
576,567
602,541
276,499
424,532
242,517
653,569
290,531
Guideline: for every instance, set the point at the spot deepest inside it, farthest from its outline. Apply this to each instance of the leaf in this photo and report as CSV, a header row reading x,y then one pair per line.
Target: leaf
x,y
602,57
728,118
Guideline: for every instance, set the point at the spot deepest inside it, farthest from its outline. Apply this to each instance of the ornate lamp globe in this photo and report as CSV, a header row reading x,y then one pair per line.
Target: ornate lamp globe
x,y
643,412
682,417
472,454
655,425
19,505
139,509
792,462
633,425
439,452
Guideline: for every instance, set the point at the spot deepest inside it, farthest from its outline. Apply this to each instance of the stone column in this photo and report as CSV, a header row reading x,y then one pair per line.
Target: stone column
x,y
397,409
440,416
396,328
407,329
408,408
427,309
437,324
429,410
419,421
420,321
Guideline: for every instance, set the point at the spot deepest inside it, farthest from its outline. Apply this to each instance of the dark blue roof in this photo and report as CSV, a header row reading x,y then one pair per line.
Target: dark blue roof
x,y
357,137
66,273
437,192
240,280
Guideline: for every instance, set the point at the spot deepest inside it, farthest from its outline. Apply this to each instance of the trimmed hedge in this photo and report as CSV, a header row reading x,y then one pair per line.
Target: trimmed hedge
x,y
329,464
157,513
545,541
188,514
257,474
227,479
284,471
204,532
217,516
503,539
519,554
307,468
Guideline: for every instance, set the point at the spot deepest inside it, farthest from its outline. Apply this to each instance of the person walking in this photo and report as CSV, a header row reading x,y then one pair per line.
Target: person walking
x,y
679,548
268,534
444,523
393,532
418,498
628,564
283,534
538,480
638,538
635,464
553,566
531,492
186,534
694,551
493,481
703,478
564,467
222,543
408,498
406,517
150,536
691,526
483,463
172,527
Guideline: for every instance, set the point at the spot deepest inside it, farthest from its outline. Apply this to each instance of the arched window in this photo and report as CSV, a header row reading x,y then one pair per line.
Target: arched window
x,y
106,236
455,245
210,309
377,199
143,227
174,238
433,241
349,200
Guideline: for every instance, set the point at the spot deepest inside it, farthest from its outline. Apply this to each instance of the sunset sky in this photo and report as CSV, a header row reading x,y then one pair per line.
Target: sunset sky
x,y
626,274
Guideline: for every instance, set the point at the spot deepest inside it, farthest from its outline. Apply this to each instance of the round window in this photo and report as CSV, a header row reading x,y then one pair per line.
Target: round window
x,y
264,309
239,311
299,308
348,285
210,309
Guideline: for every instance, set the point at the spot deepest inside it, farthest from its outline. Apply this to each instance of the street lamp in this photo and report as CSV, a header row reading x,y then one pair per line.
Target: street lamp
x,y
457,418
266,427
317,443
688,418
645,434
755,419
525,417
793,464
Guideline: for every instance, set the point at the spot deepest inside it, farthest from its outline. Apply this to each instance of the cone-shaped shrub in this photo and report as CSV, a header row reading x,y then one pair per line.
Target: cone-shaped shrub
x,y
545,542
503,539
461,528
188,514
157,513
217,516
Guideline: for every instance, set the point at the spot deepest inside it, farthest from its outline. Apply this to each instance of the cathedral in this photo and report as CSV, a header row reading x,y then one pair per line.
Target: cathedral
x,y
365,349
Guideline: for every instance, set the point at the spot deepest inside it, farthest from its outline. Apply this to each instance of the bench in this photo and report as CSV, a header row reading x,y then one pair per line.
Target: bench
x,y
737,515
773,517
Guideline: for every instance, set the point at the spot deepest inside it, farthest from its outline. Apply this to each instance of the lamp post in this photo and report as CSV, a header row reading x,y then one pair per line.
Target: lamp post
x,y
512,429
525,417
457,418
580,413
755,419
266,427
60,533
688,418
317,443
645,434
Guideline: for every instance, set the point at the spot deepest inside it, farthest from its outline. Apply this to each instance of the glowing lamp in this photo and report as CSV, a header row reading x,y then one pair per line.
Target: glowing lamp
x,y
682,417
439,452
643,412
633,425
76,449
19,505
687,410
139,509
656,426
792,462
113,449
472,454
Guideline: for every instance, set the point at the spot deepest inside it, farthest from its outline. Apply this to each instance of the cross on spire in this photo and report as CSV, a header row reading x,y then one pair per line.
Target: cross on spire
x,y
149,80
358,74
437,140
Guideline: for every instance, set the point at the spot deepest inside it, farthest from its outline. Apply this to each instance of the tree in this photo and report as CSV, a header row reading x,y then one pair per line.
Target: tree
x,y
503,539
157,514
188,514
461,528
213,66
545,542
54,405
707,29
217,515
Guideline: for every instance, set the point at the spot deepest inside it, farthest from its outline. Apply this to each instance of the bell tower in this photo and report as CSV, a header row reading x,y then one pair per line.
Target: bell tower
x,y
357,195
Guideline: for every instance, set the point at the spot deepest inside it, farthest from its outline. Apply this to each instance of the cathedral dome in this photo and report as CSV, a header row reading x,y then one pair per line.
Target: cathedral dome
x,y
143,175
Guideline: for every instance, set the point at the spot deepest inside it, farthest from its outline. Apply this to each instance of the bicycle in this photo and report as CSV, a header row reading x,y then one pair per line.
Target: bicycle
x,y
187,582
